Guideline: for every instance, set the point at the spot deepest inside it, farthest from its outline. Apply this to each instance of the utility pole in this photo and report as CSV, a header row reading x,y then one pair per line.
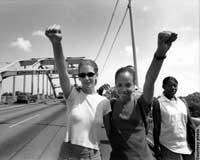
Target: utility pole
x,y
133,44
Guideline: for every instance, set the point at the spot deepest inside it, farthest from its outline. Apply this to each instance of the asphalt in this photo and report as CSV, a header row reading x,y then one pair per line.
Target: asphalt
x,y
104,144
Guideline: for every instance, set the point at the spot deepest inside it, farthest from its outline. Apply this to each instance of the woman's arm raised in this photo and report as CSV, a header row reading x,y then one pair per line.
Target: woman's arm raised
x,y
165,40
55,36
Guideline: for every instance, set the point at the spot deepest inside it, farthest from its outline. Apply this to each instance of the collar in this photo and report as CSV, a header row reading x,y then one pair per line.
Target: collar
x,y
167,99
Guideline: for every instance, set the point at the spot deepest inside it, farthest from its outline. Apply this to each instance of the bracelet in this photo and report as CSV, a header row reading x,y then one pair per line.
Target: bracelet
x,y
159,58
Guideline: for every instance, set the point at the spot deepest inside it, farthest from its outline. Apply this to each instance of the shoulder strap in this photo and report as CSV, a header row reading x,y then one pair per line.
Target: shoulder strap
x,y
144,117
112,102
156,114
190,127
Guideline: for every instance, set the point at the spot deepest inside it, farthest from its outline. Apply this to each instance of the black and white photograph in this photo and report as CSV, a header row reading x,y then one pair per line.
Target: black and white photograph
x,y
99,80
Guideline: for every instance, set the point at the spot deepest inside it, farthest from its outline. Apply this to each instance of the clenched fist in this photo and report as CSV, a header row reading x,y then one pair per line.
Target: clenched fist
x,y
165,40
54,33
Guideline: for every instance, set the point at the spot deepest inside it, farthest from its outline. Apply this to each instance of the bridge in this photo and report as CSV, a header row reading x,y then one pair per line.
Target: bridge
x,y
36,67
35,131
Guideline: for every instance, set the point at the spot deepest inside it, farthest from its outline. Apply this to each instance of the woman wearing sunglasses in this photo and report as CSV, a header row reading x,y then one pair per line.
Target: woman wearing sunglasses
x,y
85,108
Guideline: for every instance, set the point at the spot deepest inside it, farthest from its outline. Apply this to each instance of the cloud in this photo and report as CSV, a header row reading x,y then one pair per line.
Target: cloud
x,y
128,51
23,44
183,63
145,8
186,28
39,33
185,54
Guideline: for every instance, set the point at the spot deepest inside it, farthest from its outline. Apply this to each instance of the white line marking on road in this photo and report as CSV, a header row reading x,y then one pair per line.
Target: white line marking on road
x,y
23,121
10,107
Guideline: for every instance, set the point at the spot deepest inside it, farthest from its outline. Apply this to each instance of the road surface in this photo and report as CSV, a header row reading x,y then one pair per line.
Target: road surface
x,y
36,131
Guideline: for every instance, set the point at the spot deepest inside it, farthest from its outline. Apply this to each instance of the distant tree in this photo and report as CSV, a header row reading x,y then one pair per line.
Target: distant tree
x,y
193,101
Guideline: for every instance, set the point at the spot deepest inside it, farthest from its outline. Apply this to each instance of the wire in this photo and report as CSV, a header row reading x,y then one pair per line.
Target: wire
x,y
106,34
114,39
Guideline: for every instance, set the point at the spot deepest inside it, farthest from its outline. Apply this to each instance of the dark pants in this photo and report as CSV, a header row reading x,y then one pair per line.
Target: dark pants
x,y
74,152
169,155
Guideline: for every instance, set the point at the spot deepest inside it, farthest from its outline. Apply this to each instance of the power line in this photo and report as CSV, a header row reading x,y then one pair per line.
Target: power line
x,y
115,39
106,34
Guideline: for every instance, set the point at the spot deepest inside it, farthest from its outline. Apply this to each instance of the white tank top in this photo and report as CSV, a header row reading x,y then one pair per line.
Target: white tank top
x,y
85,118
173,125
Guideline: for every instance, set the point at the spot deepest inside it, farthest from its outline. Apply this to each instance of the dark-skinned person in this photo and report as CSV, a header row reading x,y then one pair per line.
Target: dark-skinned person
x,y
174,129
125,125
85,107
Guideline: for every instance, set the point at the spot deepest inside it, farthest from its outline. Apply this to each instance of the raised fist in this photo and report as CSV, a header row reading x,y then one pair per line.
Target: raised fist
x,y
165,40
167,37
54,33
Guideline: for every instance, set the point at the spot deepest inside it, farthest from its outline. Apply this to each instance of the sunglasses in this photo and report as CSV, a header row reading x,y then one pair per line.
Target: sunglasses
x,y
83,75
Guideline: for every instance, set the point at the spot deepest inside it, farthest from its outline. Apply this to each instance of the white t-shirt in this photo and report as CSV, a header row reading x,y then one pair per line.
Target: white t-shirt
x,y
173,125
85,117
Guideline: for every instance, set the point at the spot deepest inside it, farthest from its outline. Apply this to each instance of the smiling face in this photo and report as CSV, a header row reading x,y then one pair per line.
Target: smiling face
x,y
124,85
88,78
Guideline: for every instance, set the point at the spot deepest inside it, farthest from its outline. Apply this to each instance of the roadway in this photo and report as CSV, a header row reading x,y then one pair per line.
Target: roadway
x,y
36,131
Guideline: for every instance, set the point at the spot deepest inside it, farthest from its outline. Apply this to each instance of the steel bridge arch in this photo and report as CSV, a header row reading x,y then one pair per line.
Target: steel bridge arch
x,y
39,66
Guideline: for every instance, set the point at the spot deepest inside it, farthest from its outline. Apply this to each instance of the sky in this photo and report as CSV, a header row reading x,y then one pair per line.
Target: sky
x,y
84,24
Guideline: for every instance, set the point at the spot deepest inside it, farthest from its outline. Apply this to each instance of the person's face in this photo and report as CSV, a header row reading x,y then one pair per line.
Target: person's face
x,y
124,85
170,88
87,77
